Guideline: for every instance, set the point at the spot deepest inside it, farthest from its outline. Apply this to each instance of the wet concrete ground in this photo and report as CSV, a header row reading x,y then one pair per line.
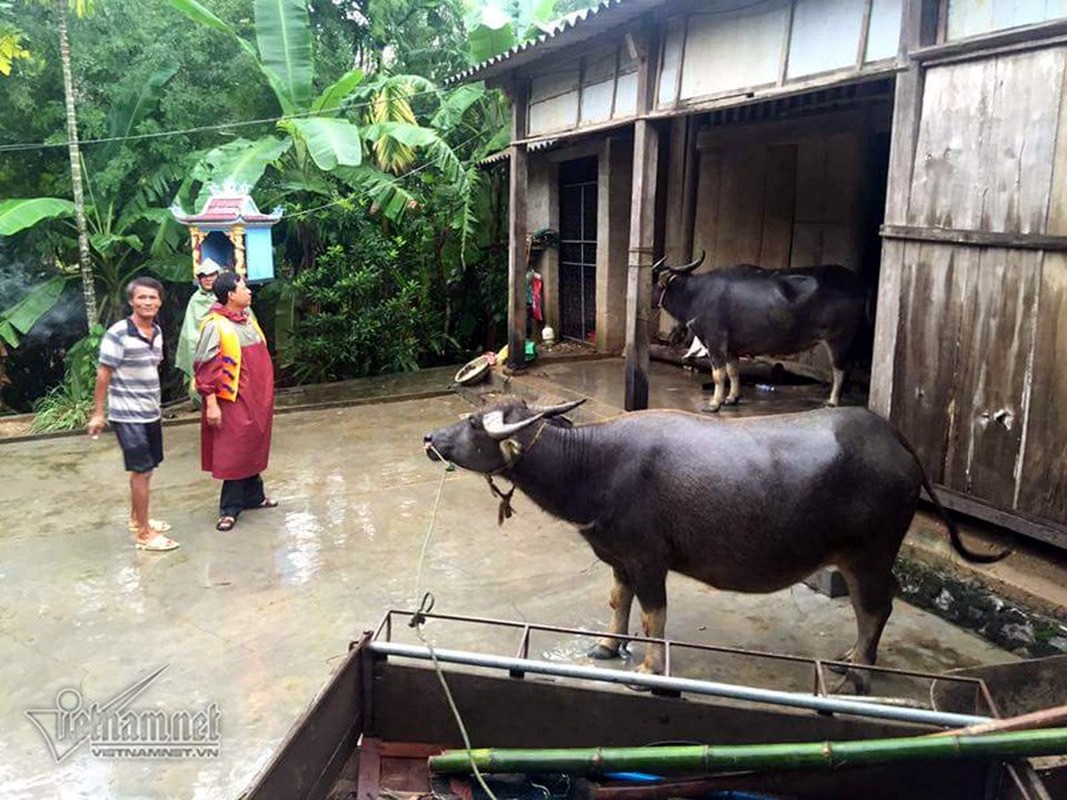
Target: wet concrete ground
x,y
255,619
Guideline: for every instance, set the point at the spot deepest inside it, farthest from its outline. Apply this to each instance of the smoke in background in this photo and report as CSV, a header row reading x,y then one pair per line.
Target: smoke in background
x,y
36,365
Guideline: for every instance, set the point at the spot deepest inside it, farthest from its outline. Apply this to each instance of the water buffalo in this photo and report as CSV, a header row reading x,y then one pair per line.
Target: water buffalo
x,y
746,504
746,310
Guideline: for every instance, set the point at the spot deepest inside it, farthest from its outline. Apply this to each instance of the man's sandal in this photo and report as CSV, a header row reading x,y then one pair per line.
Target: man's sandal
x,y
158,544
160,525
268,502
225,523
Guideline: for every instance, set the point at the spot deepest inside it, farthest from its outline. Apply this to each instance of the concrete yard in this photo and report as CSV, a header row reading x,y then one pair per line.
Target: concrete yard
x,y
255,619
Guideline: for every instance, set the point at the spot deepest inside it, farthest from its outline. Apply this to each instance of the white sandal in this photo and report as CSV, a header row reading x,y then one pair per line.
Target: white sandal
x,y
158,544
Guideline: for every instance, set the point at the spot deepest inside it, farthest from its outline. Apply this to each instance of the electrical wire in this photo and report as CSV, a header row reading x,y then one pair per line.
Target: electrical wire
x,y
393,182
23,146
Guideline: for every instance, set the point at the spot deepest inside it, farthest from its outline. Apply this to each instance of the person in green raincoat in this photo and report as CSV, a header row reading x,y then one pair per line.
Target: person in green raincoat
x,y
199,305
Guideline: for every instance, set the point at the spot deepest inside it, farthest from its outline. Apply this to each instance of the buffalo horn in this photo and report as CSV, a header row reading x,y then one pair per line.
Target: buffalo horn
x,y
494,424
692,265
562,408
659,264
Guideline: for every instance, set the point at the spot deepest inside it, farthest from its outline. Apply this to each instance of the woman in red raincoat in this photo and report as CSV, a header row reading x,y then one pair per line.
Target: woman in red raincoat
x,y
235,376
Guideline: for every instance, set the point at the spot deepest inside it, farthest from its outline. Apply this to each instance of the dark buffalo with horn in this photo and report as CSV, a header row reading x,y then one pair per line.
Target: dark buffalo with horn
x,y
745,310
749,505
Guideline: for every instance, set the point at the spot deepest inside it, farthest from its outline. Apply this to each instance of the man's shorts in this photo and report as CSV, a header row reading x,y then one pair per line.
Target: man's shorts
x,y
141,443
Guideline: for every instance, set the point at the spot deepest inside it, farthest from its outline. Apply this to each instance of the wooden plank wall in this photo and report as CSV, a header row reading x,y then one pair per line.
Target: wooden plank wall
x,y
979,370
782,202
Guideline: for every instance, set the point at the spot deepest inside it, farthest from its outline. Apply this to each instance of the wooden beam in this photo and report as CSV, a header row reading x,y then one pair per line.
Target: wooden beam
x,y
517,231
1046,531
642,232
787,130
918,28
973,238
1028,37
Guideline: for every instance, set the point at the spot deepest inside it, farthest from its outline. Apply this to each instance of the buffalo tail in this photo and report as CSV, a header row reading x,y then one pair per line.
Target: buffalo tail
x,y
953,531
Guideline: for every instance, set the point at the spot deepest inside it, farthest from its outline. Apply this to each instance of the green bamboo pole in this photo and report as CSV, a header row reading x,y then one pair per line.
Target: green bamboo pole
x,y
725,758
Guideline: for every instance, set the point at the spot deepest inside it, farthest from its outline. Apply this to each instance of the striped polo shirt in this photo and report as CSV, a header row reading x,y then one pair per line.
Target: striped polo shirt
x,y
134,394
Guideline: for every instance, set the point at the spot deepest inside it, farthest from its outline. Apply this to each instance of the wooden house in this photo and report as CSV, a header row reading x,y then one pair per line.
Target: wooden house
x,y
920,142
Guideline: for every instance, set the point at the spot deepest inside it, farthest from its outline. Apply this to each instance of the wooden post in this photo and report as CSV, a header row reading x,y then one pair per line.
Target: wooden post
x,y
642,225
517,232
918,29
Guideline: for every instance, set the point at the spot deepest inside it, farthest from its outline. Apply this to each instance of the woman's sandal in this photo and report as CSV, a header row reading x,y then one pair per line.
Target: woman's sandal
x,y
225,523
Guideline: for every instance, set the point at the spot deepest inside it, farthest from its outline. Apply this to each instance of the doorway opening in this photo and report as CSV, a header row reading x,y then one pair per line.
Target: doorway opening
x,y
577,248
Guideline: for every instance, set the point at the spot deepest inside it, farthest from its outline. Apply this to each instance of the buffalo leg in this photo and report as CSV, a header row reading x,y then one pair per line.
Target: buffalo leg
x,y
871,593
718,374
733,372
837,367
652,595
835,392
621,601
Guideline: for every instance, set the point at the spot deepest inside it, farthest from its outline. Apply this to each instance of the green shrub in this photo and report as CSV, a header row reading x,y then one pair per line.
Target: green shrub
x,y
67,407
364,313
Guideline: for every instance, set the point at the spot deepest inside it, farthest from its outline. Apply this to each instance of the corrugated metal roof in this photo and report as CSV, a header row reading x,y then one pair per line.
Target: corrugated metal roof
x,y
505,154
574,28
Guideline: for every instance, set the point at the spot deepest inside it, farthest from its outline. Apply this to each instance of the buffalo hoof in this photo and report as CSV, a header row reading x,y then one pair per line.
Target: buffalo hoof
x,y
602,652
830,404
642,669
732,401
711,410
854,682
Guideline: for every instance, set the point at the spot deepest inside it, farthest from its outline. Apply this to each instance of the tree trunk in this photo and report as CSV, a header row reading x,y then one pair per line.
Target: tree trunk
x,y
84,260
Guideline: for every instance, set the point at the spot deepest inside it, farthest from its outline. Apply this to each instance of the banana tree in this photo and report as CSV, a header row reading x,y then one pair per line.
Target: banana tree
x,y
11,49
324,134
119,234
311,126
494,30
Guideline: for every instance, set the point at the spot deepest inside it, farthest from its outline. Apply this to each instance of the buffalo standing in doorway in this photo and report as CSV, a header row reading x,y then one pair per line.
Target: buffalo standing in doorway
x,y
746,310
750,505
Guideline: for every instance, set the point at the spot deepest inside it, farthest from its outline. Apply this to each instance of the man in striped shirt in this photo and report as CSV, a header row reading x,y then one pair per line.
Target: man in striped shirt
x,y
128,376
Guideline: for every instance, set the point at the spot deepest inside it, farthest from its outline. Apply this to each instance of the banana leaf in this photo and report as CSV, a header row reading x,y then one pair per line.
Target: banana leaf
x,y
38,301
386,194
198,13
490,33
241,161
455,105
331,142
131,109
17,215
333,95
283,34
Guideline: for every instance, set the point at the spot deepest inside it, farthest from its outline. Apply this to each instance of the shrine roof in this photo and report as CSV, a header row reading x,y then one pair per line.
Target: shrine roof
x,y
228,209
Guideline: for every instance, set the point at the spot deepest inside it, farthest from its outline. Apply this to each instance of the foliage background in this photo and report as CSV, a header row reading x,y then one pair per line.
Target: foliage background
x,y
393,264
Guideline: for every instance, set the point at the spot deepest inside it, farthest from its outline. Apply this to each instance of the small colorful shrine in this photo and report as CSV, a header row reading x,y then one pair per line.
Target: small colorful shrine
x,y
231,230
